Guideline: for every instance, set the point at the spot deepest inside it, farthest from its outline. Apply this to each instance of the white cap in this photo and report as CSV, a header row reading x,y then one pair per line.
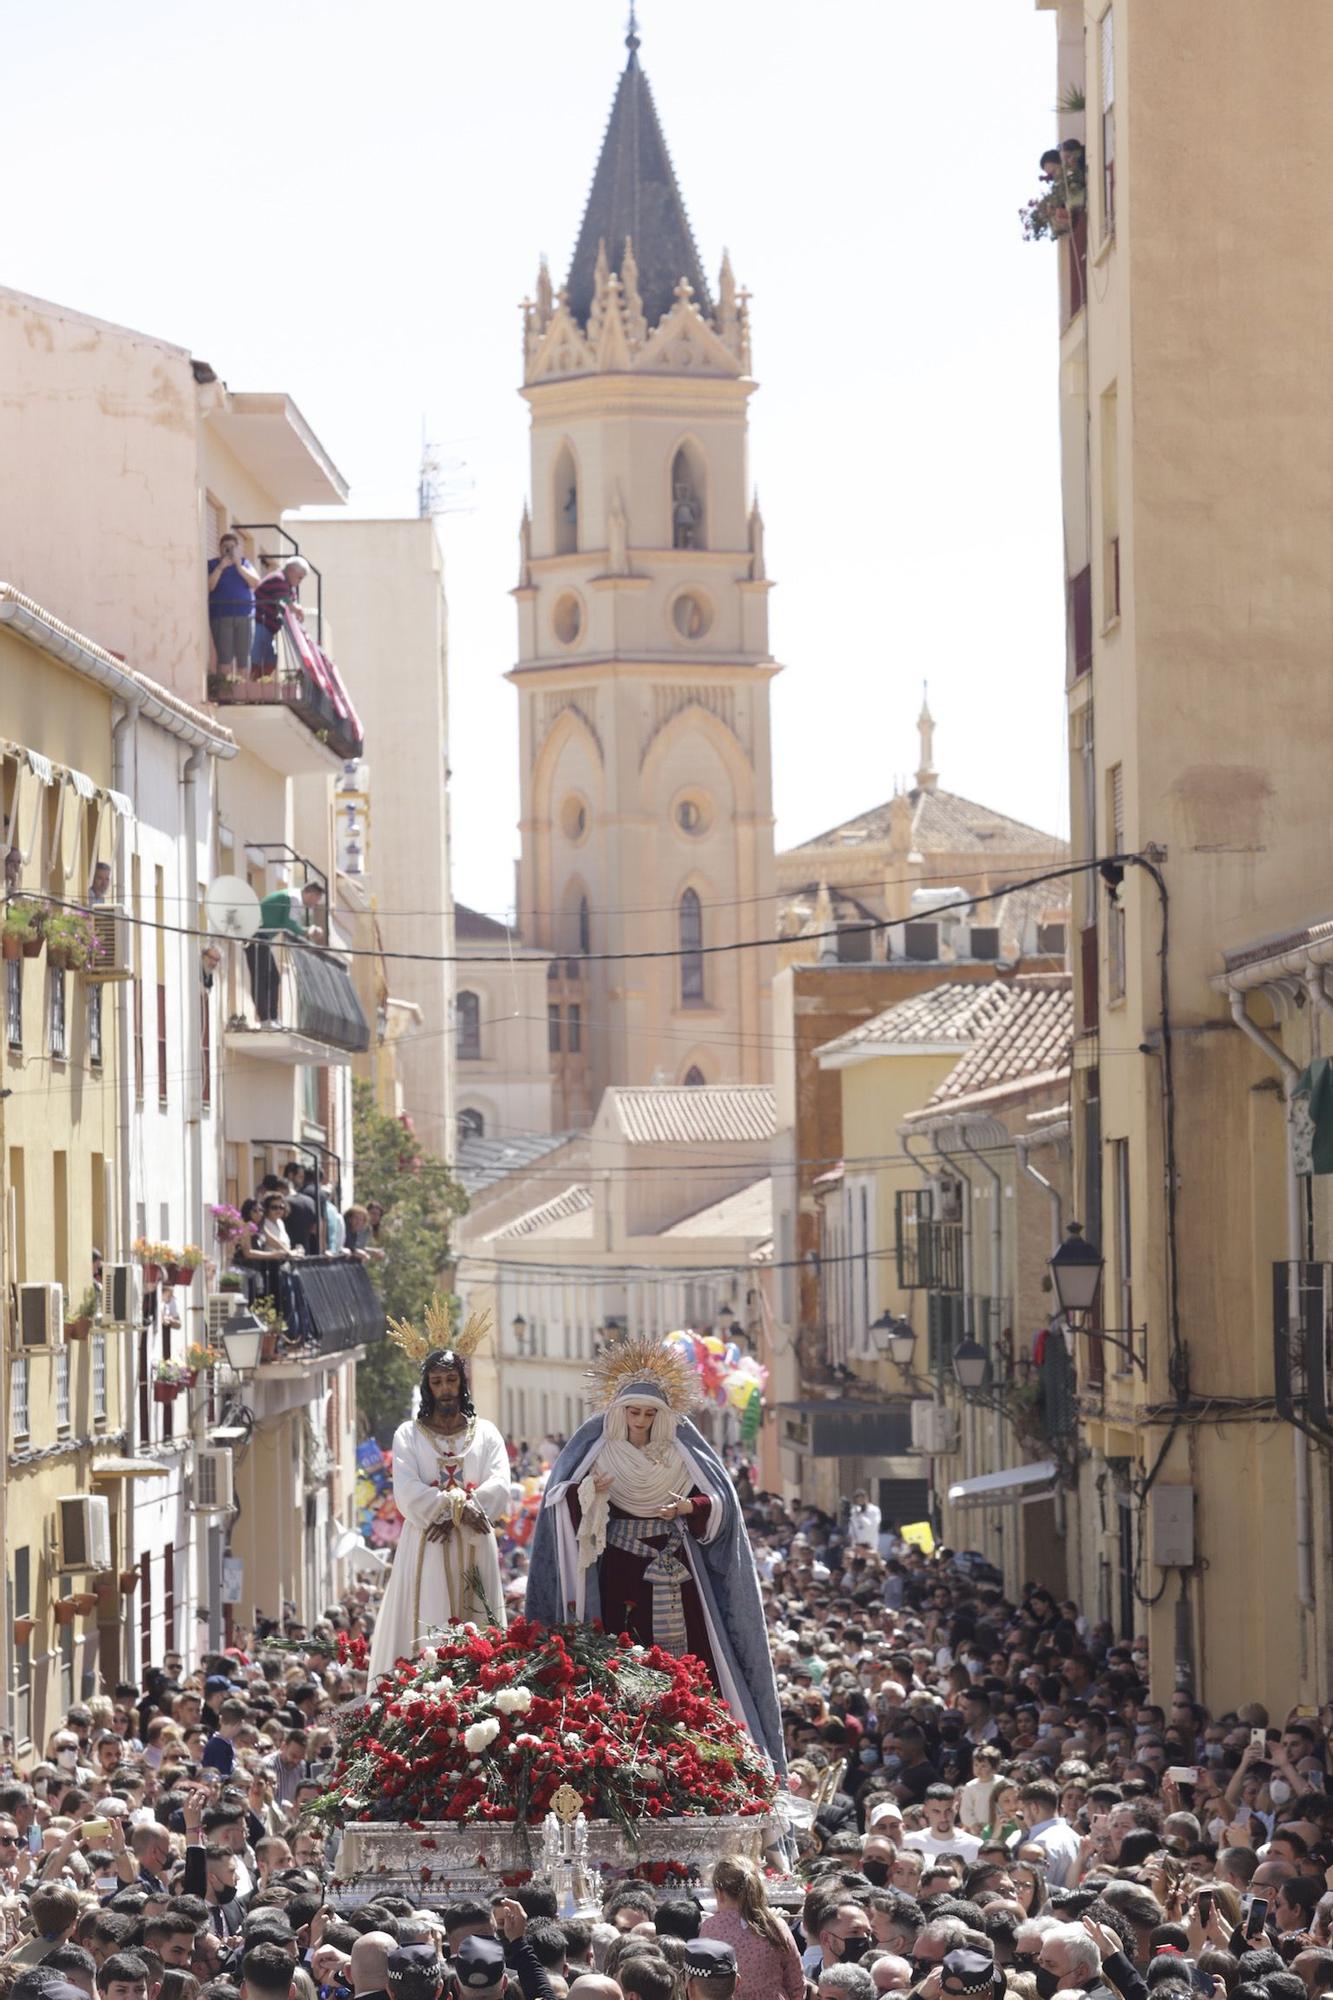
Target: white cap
x,y
886,1809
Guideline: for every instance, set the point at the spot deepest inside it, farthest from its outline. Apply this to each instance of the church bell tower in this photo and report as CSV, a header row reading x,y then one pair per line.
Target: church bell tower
x,y
643,663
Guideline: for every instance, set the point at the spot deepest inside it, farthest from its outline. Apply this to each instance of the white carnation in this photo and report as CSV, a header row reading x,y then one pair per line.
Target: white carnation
x,y
514,1701
481,1735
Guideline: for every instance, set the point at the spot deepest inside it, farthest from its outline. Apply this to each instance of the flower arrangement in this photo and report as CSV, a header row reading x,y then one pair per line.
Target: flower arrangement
x,y
22,929
71,938
488,1725
168,1370
145,1251
230,1225
198,1358
188,1258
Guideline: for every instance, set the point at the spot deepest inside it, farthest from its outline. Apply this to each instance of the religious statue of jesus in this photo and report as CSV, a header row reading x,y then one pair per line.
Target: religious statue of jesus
x,y
451,1485
641,1529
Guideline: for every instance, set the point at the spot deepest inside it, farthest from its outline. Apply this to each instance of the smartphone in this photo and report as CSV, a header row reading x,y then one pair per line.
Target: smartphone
x,y
1256,1916
1200,1981
96,1829
1259,1740
1203,1902
1182,1774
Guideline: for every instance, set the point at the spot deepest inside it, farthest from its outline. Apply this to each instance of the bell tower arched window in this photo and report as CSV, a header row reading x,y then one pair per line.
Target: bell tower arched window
x,y
693,1076
467,1021
585,927
566,501
688,524
690,922
471,1124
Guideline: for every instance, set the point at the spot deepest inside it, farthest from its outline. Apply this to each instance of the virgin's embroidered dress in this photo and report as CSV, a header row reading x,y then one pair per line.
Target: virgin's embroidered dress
x,y
434,1584
647,1585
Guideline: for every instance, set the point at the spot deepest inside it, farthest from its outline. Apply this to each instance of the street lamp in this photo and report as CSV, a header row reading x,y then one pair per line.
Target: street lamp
x,y
894,1338
1076,1269
520,1327
971,1365
242,1341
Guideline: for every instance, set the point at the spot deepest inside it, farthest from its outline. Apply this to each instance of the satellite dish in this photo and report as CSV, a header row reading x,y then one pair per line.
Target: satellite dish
x,y
231,907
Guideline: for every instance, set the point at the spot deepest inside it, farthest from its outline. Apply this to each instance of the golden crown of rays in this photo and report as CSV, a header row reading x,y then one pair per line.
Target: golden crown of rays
x,y
417,1342
630,1361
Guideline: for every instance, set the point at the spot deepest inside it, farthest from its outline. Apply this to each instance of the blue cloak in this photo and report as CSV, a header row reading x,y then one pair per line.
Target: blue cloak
x,y
724,1572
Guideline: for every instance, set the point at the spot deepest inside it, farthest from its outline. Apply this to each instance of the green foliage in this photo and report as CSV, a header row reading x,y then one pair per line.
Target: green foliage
x,y
420,1198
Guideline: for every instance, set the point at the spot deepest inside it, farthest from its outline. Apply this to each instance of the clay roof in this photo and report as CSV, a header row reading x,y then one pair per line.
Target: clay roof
x,y
954,1013
1030,1040
474,927
942,823
570,1203
691,1115
634,194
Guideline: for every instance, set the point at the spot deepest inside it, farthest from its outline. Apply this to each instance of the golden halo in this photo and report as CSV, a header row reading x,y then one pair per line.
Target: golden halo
x,y
642,1360
416,1344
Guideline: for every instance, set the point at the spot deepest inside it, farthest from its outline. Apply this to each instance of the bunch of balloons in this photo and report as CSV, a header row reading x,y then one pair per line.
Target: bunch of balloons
x,y
730,1379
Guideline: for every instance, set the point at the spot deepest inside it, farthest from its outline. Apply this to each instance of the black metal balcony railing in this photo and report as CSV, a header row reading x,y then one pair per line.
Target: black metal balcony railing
x,y
1303,1345
929,1251
303,989
306,681
330,1305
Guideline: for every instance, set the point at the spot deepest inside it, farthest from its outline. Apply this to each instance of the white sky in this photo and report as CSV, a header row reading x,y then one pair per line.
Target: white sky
x,y
348,201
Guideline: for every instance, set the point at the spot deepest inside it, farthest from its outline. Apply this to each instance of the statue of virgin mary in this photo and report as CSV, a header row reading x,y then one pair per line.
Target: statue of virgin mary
x,y
641,1530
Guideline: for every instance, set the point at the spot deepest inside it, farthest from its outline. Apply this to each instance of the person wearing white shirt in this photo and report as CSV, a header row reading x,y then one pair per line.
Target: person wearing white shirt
x,y
942,1835
863,1522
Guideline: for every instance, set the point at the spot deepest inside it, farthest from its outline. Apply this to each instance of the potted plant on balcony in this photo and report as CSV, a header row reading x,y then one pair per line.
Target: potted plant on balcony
x,y
274,1327
65,1610
22,932
128,1582
79,1323
230,1225
83,1601
1065,193
232,1281
182,1265
71,940
23,1630
169,1378
154,1258
198,1360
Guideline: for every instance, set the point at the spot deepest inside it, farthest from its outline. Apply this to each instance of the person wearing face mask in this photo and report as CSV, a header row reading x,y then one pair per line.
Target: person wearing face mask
x,y
1069,1960
877,1858
210,1872
844,1934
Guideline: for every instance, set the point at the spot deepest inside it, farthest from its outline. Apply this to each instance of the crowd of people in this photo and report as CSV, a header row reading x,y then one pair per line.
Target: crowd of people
x,y
293,1215
986,1804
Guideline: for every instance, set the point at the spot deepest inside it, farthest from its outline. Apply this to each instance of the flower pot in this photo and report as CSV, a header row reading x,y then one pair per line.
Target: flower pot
x,y
83,1601
66,1610
268,1346
152,1276
23,1630
59,957
78,1329
32,947
189,1378
12,947
166,1392
128,1579
181,1274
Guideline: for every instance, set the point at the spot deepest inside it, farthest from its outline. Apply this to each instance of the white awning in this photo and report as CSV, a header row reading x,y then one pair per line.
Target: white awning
x,y
1019,1483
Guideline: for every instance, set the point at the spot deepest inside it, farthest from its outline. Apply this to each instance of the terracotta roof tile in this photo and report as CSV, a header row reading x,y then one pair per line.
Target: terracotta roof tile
x,y
942,823
954,1013
691,1115
1032,1037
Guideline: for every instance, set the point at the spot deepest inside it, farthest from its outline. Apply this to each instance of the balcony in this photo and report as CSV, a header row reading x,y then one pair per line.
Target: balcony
x,y
331,1307
316,1016
1303,1345
929,1250
298,718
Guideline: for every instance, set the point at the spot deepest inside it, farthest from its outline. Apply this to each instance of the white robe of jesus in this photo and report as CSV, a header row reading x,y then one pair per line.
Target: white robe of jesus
x,y
434,1584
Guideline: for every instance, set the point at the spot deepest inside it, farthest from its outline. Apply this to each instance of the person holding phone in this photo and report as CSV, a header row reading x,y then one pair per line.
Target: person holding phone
x,y
231,606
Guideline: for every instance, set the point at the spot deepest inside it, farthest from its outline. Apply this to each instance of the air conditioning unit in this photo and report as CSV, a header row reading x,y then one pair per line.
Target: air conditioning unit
x,y
219,1307
84,1532
214,1488
985,941
120,1294
934,1429
948,1198
114,958
921,941
41,1317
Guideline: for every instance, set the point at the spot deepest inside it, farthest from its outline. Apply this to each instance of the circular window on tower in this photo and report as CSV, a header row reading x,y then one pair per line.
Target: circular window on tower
x,y
574,819
567,617
692,813
691,614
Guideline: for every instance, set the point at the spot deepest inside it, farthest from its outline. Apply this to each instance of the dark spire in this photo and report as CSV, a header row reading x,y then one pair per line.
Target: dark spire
x,y
634,194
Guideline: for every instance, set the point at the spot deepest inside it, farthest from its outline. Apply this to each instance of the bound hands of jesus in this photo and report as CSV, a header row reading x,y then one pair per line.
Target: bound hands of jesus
x,y
472,1516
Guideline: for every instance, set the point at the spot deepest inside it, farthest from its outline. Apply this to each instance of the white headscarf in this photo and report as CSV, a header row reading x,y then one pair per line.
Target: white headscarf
x,y
644,1478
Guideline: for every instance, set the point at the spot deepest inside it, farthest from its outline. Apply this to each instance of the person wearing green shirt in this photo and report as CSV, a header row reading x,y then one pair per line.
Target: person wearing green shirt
x,y
283,913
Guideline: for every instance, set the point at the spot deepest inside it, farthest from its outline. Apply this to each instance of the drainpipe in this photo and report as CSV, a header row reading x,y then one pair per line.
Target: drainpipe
x,y
996,1227
122,743
970,1416
1299,1444
906,1139
1022,1149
